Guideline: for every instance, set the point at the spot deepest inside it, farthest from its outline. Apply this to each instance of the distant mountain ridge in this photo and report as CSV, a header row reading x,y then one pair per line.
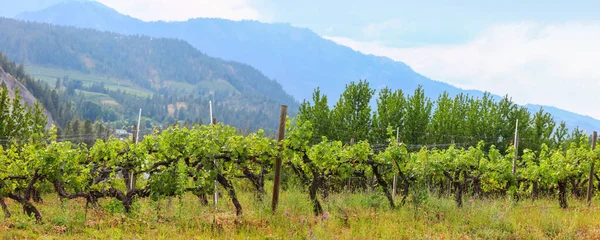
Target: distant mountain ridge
x,y
168,70
145,60
12,8
298,58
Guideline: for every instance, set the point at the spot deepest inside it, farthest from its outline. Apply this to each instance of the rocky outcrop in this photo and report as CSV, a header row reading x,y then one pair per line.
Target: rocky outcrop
x,y
26,96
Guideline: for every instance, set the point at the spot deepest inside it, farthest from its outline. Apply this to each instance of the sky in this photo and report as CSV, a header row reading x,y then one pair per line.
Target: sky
x,y
540,52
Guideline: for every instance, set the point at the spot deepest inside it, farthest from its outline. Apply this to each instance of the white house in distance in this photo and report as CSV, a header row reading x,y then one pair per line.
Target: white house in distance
x,y
122,134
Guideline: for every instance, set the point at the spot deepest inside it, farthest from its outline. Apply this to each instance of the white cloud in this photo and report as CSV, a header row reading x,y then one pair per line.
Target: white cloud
x,y
375,30
557,65
181,10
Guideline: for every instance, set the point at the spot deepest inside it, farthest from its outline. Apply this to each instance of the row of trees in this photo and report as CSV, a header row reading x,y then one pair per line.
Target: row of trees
x,y
19,121
461,119
168,164
180,160
329,166
61,107
86,131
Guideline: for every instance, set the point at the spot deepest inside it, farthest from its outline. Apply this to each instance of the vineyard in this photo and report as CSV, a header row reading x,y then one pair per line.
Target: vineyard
x,y
426,169
180,160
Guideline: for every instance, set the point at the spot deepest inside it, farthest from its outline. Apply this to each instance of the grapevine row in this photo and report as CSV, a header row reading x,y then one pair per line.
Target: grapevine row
x,y
179,160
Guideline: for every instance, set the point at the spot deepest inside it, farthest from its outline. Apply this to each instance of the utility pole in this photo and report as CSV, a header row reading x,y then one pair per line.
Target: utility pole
x,y
135,140
514,170
212,122
395,182
210,109
137,135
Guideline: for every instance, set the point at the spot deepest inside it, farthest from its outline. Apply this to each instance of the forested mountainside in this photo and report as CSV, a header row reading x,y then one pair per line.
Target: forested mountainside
x,y
298,58
167,78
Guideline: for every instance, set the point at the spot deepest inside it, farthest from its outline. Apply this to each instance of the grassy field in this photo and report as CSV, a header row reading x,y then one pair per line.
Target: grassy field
x,y
348,216
49,75
97,97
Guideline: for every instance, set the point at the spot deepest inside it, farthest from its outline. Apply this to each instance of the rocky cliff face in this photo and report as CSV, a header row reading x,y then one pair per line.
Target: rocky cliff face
x,y
26,96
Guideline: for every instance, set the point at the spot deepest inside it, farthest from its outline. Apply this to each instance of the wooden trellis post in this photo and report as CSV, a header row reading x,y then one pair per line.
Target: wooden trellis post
x,y
591,180
277,178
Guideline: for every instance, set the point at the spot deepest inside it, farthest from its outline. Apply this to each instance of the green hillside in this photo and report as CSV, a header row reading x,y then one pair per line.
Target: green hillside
x,y
300,59
50,75
168,78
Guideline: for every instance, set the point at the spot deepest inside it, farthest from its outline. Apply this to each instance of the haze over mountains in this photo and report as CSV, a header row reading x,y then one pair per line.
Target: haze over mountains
x,y
297,58
11,8
119,74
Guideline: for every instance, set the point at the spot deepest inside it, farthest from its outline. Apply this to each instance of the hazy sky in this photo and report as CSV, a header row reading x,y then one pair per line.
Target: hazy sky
x,y
542,52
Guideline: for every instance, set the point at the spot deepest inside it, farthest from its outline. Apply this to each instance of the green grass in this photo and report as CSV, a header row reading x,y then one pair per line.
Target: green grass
x,y
97,97
50,75
218,85
181,86
349,216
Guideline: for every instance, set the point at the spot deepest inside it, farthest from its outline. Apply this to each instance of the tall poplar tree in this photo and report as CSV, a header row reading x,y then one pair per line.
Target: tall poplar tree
x,y
418,113
391,111
352,113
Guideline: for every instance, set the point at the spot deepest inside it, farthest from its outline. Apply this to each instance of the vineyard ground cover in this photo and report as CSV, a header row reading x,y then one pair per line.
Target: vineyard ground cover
x,y
364,215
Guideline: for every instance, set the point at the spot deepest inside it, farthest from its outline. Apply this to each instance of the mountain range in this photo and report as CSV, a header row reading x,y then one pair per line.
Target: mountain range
x,y
299,59
120,74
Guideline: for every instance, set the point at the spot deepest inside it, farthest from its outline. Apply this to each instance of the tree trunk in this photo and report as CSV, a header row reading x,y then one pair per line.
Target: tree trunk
x,y
384,185
516,196
126,199
4,207
535,190
200,193
477,187
562,194
458,194
598,179
326,188
318,210
90,197
314,184
127,205
405,190
30,189
405,186
32,210
458,187
257,181
203,199
229,187
36,195
360,184
27,207
576,189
